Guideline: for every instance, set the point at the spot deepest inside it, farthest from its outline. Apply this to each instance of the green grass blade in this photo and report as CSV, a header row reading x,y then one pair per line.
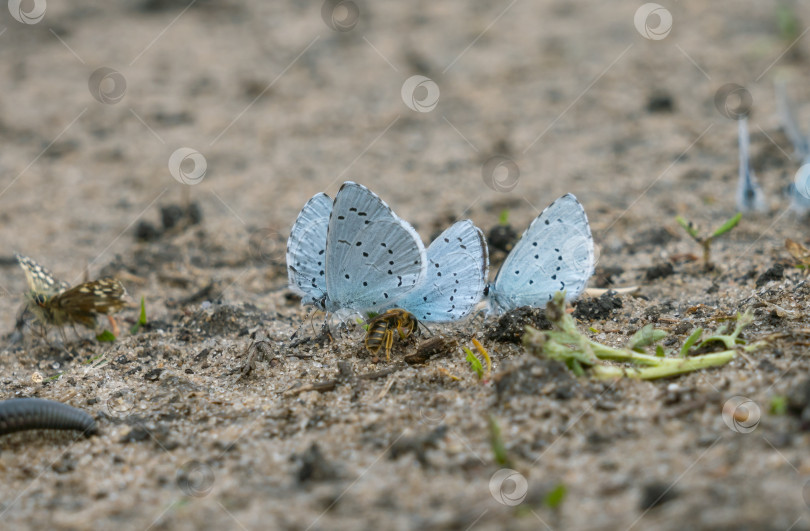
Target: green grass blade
x,y
727,226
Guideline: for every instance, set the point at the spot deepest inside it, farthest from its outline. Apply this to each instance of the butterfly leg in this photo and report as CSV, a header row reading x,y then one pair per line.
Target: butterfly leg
x,y
114,325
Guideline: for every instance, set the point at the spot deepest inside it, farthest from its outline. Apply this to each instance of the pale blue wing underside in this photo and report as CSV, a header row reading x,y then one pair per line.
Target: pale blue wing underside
x,y
555,253
750,197
373,258
799,199
306,250
458,264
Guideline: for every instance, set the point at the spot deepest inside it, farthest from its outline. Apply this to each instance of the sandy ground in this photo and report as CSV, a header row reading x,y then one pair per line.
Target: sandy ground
x,y
281,106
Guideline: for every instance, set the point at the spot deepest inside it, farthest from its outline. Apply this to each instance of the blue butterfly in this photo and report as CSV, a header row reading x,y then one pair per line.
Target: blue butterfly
x,y
458,265
749,194
799,191
556,253
354,254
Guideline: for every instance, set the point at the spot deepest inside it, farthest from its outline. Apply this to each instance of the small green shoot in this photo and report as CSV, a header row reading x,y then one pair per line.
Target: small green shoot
x,y
503,219
690,341
106,337
646,336
787,23
556,496
475,363
706,241
496,443
361,323
141,319
579,353
779,405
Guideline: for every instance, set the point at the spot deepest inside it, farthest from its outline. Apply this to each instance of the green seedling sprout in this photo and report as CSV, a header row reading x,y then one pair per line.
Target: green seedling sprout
x,y
779,405
141,319
556,496
475,364
788,23
706,241
503,219
581,354
496,443
106,337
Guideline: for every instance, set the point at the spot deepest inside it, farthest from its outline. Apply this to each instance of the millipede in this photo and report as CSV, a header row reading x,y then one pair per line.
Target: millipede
x,y
21,414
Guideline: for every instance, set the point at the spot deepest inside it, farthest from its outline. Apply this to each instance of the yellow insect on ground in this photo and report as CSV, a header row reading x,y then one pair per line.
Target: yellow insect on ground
x,y
381,330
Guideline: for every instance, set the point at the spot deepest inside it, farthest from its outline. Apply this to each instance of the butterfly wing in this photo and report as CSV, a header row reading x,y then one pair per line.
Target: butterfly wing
x,y
554,254
40,280
306,250
373,258
458,264
749,194
81,304
787,117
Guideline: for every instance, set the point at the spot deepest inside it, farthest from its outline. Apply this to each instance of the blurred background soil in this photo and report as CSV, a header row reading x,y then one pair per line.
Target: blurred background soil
x,y
281,106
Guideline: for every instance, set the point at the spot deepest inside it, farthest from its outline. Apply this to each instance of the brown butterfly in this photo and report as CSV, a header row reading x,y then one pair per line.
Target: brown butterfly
x,y
54,302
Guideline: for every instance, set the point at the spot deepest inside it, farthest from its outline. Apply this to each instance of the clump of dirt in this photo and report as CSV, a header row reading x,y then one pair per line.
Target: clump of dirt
x,y
597,309
174,218
662,270
775,272
510,327
502,238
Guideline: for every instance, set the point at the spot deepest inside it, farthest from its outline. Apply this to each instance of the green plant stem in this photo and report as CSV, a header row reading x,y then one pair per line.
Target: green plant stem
x,y
566,344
